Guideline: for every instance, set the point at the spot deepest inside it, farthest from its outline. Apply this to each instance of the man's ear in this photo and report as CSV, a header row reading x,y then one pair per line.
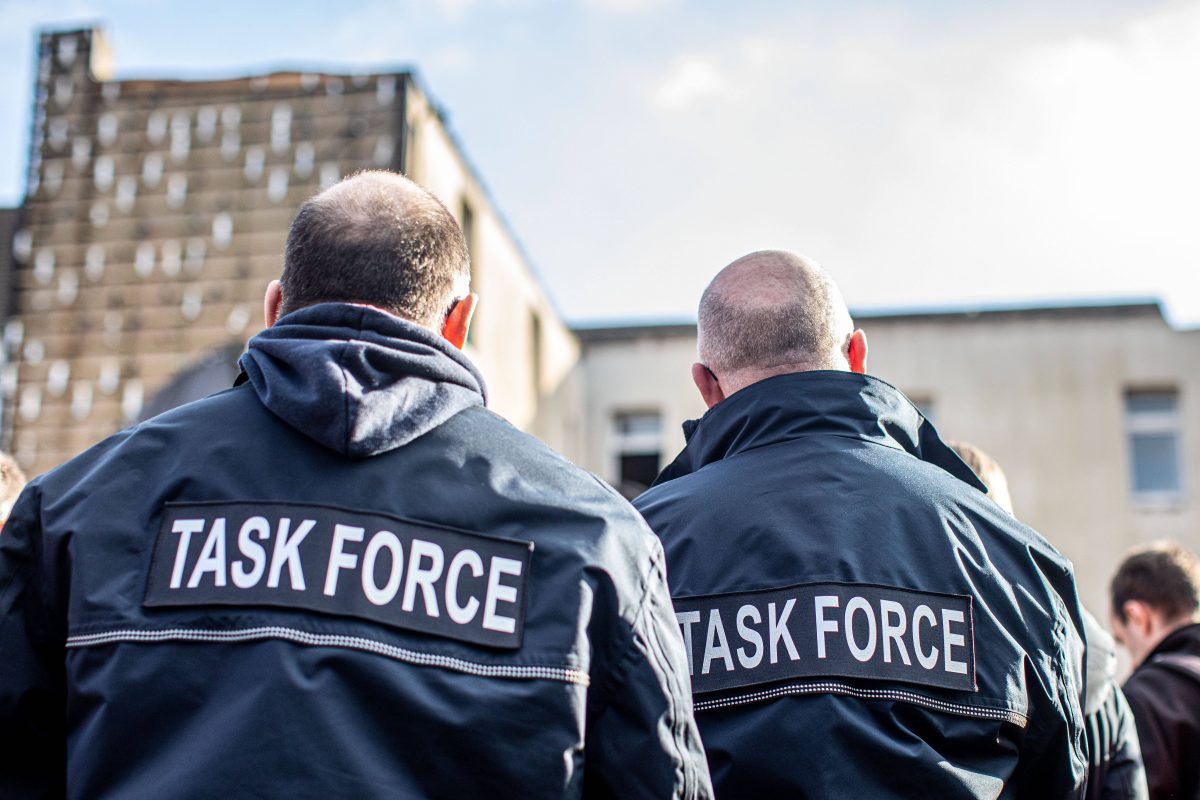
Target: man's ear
x,y
707,383
458,321
272,302
856,352
1138,616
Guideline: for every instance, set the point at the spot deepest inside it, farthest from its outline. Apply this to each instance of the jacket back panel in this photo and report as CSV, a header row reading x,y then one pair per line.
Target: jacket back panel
x,y
328,705
833,508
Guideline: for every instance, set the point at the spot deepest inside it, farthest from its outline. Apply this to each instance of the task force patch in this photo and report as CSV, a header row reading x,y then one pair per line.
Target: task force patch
x,y
412,575
816,630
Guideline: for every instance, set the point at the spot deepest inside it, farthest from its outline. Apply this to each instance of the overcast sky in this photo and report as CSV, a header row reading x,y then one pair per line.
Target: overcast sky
x,y
934,153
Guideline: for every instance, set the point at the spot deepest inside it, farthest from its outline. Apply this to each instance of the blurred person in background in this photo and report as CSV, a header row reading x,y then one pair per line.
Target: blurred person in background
x,y
849,596
344,576
12,481
1115,770
1156,615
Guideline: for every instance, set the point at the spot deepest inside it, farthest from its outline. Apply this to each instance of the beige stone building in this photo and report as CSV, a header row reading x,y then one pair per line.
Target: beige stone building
x,y
156,213
1093,411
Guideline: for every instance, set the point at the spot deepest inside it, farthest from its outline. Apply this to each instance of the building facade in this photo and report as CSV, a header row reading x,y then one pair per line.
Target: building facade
x,y
156,213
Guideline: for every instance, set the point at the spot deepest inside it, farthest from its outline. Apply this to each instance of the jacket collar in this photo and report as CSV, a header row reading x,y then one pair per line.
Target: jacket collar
x,y
1180,640
819,402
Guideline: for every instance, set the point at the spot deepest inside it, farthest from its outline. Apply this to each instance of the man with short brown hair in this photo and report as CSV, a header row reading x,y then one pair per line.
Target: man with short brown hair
x,y
1155,614
344,576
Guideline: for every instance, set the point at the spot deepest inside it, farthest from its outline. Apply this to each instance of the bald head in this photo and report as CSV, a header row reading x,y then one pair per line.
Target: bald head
x,y
379,239
769,313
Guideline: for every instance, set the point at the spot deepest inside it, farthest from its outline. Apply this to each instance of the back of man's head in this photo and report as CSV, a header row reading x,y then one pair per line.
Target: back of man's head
x,y
772,312
1164,576
378,239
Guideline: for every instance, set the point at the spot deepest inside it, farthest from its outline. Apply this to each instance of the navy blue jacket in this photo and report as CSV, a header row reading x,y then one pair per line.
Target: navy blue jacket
x,y
342,578
1115,769
862,620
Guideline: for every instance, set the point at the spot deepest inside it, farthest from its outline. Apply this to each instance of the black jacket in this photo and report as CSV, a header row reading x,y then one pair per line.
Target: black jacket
x,y
342,578
1115,770
863,623
1164,693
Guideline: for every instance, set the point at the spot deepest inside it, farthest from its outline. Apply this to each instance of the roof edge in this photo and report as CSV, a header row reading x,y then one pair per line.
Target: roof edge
x,y
606,331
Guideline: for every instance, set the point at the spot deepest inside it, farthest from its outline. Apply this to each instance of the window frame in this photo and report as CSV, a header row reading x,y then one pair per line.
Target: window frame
x,y
1149,423
633,444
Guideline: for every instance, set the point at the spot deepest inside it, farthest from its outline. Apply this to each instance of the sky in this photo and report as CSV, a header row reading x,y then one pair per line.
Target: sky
x,y
928,153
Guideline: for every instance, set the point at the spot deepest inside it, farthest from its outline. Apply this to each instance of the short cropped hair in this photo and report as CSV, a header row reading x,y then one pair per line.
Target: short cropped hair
x,y
1164,576
380,239
12,481
791,317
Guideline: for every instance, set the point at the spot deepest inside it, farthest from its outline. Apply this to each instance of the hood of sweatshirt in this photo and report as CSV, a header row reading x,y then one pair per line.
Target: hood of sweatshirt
x,y
358,380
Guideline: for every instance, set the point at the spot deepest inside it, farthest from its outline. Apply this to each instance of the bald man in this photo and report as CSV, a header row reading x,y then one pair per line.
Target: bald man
x,y
861,620
343,577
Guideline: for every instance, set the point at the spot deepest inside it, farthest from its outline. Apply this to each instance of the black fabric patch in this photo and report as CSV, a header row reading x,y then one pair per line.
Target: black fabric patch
x,y
846,630
398,572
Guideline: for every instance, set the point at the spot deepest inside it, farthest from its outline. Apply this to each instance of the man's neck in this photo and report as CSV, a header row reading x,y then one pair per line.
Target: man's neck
x,y
733,382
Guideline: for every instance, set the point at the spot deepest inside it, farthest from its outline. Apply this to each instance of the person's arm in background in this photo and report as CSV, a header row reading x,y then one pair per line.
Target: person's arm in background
x,y
1158,750
1116,756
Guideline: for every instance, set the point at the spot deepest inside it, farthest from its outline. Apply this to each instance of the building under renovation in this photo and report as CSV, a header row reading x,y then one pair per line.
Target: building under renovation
x,y
156,212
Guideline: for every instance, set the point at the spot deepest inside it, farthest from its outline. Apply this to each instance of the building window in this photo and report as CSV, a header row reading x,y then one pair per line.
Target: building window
x,y
637,449
1152,423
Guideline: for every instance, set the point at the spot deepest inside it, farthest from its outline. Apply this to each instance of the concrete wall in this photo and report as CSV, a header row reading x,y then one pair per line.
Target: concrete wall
x,y
157,212
155,216
648,372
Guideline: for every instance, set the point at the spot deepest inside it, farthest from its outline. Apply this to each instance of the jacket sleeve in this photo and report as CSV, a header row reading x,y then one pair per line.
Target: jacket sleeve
x,y
32,698
1054,756
642,739
1159,752
1116,755
1060,763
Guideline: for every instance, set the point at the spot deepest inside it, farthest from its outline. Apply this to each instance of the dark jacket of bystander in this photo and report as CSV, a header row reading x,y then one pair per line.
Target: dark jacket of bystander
x,y
1164,693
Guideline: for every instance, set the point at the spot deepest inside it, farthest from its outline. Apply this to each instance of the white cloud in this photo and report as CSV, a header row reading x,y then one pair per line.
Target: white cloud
x,y
922,164
628,6
454,9
690,79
